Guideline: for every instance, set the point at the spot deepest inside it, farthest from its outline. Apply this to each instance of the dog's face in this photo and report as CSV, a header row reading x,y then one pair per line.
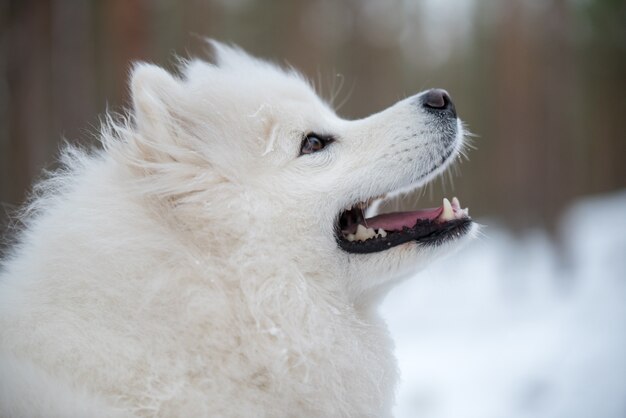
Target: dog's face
x,y
299,176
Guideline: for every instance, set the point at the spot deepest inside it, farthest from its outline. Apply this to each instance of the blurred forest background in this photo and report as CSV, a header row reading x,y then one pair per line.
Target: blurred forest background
x,y
541,82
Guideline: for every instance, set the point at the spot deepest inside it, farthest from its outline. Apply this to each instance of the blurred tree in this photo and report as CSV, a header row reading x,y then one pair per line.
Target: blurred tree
x,y
541,83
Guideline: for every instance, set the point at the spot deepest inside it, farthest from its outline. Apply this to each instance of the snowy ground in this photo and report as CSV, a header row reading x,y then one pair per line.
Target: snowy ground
x,y
512,328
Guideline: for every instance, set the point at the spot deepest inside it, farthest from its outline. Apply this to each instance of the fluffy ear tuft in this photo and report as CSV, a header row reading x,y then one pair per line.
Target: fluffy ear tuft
x,y
153,91
231,56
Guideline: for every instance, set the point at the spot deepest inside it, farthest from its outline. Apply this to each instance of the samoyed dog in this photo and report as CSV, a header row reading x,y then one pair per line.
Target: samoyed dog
x,y
220,256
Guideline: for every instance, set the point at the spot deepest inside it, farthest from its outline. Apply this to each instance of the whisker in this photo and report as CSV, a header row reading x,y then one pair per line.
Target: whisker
x,y
347,97
337,88
319,82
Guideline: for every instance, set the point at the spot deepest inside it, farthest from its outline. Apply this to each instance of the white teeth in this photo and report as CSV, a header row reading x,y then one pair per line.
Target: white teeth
x,y
363,233
448,213
465,212
456,205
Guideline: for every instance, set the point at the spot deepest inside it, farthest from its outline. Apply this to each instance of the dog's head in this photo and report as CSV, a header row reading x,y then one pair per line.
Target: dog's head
x,y
265,164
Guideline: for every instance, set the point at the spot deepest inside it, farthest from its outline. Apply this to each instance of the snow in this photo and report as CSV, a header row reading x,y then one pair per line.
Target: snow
x,y
519,327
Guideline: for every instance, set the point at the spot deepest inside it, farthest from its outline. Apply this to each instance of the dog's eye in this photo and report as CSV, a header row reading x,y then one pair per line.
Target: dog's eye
x,y
313,143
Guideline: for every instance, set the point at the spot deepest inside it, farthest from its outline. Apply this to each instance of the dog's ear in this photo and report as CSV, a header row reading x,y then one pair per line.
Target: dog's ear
x,y
153,92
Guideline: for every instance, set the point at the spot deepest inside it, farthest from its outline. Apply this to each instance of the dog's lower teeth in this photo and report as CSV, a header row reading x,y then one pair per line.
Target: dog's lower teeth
x,y
452,210
363,233
448,212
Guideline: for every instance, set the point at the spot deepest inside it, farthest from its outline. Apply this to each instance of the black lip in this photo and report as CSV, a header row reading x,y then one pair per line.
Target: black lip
x,y
424,232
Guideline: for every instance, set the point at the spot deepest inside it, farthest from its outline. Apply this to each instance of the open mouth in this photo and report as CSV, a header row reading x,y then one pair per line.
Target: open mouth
x,y
434,226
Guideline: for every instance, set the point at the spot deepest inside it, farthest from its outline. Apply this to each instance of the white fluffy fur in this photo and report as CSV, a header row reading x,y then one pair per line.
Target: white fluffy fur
x,y
189,268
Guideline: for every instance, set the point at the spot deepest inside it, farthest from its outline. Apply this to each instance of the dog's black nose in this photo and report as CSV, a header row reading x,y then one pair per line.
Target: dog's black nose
x,y
438,100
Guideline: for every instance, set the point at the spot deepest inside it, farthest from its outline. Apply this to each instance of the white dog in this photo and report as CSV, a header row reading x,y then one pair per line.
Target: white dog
x,y
214,259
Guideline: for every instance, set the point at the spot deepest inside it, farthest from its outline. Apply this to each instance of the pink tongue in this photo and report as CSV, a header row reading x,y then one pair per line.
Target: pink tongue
x,y
397,221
